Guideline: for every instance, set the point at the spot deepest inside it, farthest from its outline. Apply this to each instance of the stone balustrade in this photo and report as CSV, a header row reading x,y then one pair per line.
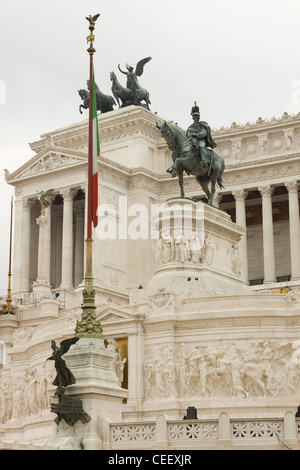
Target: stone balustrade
x,y
221,433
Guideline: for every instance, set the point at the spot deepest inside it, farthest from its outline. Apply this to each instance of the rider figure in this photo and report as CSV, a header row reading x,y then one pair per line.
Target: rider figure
x,y
199,132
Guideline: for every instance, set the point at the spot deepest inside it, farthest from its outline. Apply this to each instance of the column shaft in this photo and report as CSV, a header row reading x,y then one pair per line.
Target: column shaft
x,y
67,241
25,249
43,249
240,209
268,237
294,229
135,365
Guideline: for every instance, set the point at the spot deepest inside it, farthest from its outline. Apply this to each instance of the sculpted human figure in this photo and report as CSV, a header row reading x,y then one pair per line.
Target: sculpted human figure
x,y
167,251
181,250
120,364
208,250
237,374
182,370
195,249
64,376
139,93
18,398
236,262
200,134
159,251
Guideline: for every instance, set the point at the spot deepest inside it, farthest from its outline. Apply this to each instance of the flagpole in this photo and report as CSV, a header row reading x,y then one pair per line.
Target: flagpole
x,y
88,326
9,308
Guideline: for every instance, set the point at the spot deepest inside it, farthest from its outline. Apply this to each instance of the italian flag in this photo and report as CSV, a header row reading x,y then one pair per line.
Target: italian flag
x,y
95,155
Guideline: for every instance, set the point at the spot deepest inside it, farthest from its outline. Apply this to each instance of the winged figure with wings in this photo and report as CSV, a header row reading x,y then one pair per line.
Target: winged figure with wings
x,y
64,376
140,94
44,197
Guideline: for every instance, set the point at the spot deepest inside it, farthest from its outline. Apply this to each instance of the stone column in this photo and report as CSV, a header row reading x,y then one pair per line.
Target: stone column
x,y
292,187
136,365
79,245
58,250
240,196
67,241
25,250
41,286
268,237
48,211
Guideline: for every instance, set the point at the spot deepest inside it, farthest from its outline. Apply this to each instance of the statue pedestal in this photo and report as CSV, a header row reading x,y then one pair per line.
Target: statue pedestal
x,y
198,242
98,389
41,289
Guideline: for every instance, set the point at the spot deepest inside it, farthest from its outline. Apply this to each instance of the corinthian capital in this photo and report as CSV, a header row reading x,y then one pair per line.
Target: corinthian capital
x,y
28,203
240,194
266,191
68,193
292,186
42,220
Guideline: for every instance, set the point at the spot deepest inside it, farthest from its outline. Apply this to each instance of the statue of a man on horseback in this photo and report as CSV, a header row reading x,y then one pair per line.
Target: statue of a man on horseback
x,y
193,153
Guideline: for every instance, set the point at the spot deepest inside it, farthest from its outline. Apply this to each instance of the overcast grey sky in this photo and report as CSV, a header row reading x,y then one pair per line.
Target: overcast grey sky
x,y
238,59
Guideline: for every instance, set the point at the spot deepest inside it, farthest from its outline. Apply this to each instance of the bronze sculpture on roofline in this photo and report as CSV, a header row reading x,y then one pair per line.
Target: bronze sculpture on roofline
x,y
132,94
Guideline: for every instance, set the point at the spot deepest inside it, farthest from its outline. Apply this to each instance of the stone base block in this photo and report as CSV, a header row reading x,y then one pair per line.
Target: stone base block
x,y
97,387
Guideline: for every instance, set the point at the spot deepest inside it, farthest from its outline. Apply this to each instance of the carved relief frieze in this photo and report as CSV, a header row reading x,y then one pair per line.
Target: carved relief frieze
x,y
112,176
181,249
236,151
162,301
243,369
251,147
276,142
288,139
49,162
251,176
262,144
25,394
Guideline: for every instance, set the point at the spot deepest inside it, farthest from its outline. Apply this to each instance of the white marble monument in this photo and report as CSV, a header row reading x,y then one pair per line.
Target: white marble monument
x,y
209,318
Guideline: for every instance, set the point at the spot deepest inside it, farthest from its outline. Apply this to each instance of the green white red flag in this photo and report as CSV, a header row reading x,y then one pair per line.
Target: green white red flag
x,y
95,155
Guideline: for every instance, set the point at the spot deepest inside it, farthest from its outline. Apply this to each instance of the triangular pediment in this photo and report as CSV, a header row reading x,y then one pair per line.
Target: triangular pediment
x,y
114,314
46,161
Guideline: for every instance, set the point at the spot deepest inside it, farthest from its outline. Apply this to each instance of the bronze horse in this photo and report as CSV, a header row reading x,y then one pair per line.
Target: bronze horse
x,y
105,103
185,159
124,96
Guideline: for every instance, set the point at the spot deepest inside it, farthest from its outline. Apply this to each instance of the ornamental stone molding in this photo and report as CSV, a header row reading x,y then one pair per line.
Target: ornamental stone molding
x,y
236,149
42,220
29,203
292,186
266,191
260,125
240,194
262,144
68,193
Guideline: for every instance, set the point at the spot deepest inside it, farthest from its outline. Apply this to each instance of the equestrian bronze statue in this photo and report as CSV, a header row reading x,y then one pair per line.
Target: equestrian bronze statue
x,y
192,152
